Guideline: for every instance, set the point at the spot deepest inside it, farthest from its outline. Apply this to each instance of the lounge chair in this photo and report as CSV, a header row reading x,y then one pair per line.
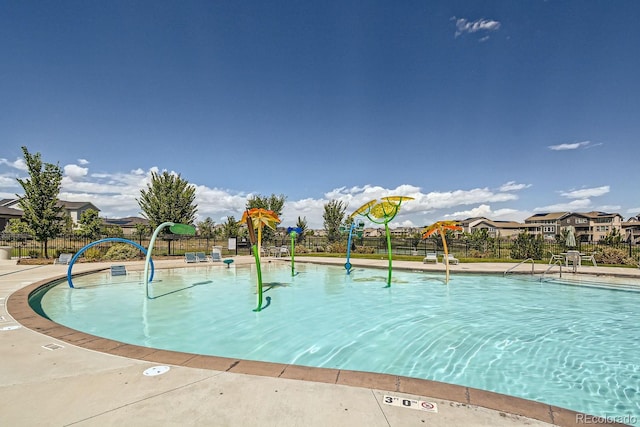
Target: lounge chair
x,y
118,270
452,259
190,257
555,258
63,259
283,251
216,254
431,257
591,258
202,257
572,257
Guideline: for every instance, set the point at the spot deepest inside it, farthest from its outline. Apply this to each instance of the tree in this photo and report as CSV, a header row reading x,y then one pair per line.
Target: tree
x,y
42,211
207,229
230,228
17,226
142,230
527,246
168,198
333,216
90,224
302,225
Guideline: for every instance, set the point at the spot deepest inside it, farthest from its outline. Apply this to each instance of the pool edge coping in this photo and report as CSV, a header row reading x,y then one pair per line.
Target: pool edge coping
x,y
18,307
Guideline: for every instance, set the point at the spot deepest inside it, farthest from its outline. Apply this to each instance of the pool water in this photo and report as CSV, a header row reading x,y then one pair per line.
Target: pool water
x,y
571,346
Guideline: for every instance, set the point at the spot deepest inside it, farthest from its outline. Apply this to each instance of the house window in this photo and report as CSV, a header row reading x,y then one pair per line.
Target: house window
x,y
548,229
581,220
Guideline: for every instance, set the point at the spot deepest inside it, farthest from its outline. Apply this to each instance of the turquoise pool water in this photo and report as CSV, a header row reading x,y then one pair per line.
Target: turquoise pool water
x,y
572,346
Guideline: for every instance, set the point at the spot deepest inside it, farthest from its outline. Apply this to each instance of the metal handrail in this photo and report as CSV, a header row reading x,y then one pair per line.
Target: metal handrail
x,y
533,264
558,263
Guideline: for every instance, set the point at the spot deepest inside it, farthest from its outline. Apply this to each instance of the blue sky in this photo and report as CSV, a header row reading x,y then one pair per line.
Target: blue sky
x,y
474,108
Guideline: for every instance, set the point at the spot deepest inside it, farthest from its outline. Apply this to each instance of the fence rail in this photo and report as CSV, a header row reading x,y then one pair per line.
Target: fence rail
x,y
25,246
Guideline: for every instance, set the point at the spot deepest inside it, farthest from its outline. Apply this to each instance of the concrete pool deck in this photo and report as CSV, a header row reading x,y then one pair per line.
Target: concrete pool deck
x,y
51,375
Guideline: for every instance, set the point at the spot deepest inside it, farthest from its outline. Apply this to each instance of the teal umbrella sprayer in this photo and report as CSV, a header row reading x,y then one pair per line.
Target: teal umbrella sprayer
x,y
184,229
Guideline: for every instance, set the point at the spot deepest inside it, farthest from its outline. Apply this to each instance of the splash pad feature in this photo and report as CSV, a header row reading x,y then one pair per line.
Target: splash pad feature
x,y
293,232
441,228
382,213
358,227
97,242
182,229
256,218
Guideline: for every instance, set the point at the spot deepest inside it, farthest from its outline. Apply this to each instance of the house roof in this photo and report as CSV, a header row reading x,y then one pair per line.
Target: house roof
x,y
78,205
10,212
129,221
548,216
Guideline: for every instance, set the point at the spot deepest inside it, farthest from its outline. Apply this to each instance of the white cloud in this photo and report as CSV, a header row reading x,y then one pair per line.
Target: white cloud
x,y
83,161
115,195
634,211
486,211
571,146
513,186
17,164
75,171
572,206
585,193
465,26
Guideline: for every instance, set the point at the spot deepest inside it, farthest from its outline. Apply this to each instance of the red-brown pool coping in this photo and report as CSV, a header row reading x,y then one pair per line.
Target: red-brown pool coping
x,y
18,307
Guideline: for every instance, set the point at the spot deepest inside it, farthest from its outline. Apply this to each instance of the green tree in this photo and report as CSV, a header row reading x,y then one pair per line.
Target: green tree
x,y
207,229
302,225
90,225
230,228
67,225
168,198
17,226
42,211
142,230
333,216
273,203
527,246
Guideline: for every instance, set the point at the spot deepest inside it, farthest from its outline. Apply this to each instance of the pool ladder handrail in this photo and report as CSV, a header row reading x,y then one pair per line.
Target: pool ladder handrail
x,y
533,264
558,263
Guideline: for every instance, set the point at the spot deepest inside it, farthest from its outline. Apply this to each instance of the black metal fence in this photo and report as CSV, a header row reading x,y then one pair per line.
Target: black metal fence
x,y
501,249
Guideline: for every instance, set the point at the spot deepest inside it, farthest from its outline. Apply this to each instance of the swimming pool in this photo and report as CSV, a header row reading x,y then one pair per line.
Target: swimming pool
x,y
570,346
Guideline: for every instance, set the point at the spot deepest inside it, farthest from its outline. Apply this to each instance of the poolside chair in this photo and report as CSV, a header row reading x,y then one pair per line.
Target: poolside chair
x,y
452,259
573,258
190,257
63,259
118,270
216,254
591,258
431,257
555,258
202,257
283,251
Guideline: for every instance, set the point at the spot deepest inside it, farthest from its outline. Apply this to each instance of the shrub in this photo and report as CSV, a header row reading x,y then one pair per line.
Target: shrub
x,y
122,251
34,253
606,255
93,254
365,249
337,248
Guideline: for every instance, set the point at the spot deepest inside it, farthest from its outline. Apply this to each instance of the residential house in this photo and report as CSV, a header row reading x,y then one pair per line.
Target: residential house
x,y
494,228
73,209
589,226
127,224
7,214
631,230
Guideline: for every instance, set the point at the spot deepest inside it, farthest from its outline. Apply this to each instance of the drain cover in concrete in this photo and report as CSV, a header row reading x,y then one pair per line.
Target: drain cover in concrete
x,y
156,370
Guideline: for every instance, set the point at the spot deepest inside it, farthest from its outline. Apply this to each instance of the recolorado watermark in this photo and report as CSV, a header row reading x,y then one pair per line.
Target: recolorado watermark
x,y
607,419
